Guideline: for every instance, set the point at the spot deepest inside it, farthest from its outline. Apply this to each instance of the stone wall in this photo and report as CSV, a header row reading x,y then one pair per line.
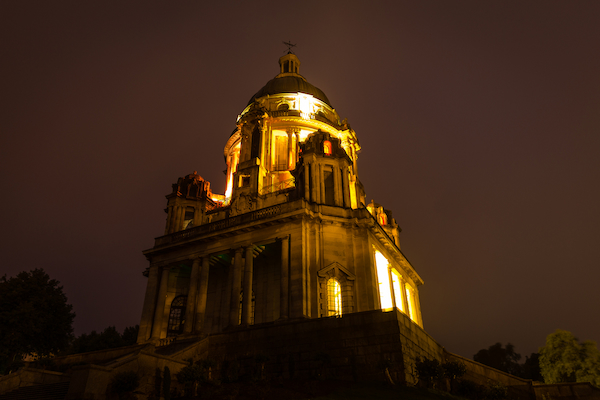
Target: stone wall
x,y
567,391
358,346
29,377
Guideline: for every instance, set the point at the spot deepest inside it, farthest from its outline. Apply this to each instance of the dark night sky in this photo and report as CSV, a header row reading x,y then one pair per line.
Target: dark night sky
x,y
479,122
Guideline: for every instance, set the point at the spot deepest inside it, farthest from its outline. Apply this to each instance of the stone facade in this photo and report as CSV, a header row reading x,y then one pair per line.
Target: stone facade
x,y
292,237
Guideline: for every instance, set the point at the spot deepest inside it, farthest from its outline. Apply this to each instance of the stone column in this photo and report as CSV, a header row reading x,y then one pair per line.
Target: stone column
x,y
160,304
236,288
346,187
322,197
405,297
314,167
169,220
306,181
337,187
419,316
284,292
392,290
176,218
247,301
181,218
149,302
202,293
190,309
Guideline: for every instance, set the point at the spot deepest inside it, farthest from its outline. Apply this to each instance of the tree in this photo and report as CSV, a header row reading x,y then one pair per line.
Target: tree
x,y
428,371
531,368
564,359
504,359
108,339
34,315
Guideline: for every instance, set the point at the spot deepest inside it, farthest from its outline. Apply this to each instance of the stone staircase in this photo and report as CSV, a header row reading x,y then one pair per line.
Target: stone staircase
x,y
49,391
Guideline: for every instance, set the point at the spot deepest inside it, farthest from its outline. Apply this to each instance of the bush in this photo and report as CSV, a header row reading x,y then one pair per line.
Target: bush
x,y
190,377
428,371
454,370
167,383
470,390
124,383
496,391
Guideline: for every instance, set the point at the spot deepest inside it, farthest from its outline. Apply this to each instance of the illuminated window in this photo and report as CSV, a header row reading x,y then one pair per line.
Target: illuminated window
x,y
334,298
410,299
382,219
327,148
383,277
177,316
397,290
281,153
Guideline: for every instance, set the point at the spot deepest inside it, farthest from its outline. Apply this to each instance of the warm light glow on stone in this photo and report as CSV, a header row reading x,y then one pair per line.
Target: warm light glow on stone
x,y
232,164
397,290
383,278
411,303
334,298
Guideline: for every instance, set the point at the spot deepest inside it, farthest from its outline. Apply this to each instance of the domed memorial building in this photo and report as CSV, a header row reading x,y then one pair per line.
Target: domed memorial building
x,y
292,238
290,272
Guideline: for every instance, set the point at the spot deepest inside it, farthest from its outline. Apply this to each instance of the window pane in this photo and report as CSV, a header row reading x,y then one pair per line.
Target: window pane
x,y
397,290
334,298
410,301
383,277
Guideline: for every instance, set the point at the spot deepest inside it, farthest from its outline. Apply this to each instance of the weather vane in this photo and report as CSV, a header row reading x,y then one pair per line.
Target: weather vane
x,y
289,45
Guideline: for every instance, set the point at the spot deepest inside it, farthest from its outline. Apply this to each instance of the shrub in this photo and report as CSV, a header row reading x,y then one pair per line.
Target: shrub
x,y
190,377
167,383
124,383
429,371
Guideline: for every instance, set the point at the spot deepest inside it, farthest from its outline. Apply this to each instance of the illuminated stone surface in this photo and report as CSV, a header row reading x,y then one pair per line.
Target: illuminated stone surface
x,y
294,216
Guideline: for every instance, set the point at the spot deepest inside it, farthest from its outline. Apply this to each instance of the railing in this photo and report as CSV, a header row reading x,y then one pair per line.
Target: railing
x,y
166,341
285,113
287,184
218,225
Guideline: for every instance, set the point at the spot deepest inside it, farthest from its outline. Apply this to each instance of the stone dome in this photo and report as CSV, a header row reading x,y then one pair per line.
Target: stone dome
x,y
290,81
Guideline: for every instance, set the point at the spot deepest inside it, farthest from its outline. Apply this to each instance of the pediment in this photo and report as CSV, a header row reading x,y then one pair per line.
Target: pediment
x,y
337,269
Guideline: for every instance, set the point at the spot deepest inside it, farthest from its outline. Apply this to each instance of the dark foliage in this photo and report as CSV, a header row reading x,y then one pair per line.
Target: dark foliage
x,y
124,382
530,369
167,383
502,358
34,315
110,338
429,371
506,359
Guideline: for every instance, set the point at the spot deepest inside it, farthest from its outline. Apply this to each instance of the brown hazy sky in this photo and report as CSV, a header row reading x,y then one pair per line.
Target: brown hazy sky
x,y
479,122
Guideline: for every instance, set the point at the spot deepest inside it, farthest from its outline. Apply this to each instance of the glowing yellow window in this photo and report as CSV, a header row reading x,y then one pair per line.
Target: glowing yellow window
x,y
411,303
334,298
397,290
383,277
327,147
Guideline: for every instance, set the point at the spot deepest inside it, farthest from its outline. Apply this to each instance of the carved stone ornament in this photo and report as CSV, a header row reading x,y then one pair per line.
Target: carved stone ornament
x,y
243,204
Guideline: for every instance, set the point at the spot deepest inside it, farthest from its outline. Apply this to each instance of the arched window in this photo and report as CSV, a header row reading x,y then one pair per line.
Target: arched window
x,y
177,316
327,147
334,298
382,219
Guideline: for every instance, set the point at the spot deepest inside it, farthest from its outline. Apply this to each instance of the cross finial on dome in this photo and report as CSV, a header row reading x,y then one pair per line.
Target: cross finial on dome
x,y
289,45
